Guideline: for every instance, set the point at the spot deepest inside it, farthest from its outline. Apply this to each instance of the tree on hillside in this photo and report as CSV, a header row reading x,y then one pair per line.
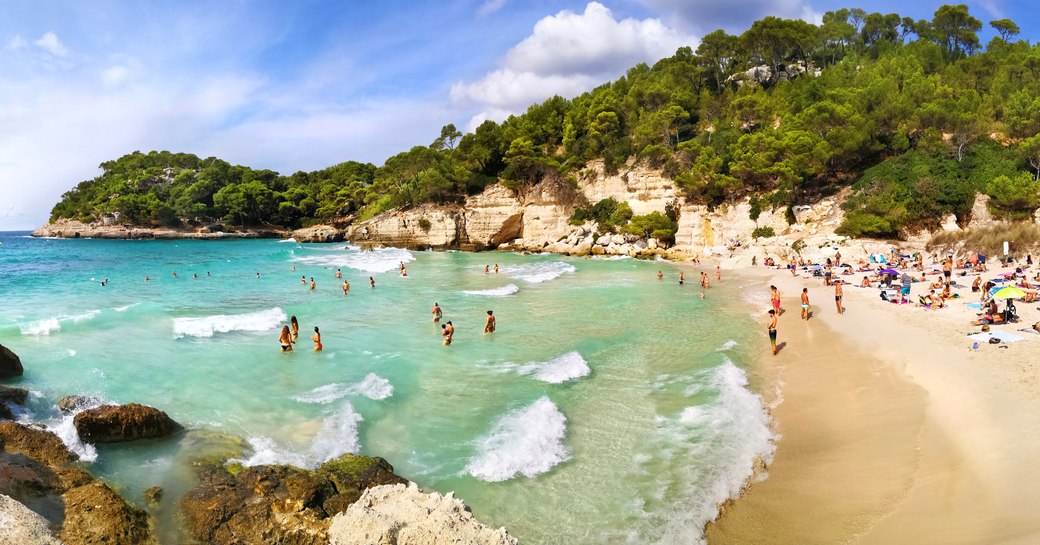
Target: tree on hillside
x,y
448,138
1006,28
955,30
717,51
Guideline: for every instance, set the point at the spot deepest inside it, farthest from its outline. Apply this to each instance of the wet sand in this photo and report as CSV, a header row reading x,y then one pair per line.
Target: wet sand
x,y
890,430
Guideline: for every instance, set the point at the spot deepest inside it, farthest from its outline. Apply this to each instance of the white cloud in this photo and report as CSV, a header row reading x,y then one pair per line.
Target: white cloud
x,y
490,6
50,43
703,16
567,54
17,43
114,75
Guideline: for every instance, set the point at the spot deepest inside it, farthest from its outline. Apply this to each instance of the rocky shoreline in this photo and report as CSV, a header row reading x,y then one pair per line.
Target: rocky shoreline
x,y
48,497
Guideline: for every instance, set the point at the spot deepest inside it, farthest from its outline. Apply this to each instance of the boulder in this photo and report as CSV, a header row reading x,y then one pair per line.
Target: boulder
x,y
118,423
11,396
277,504
36,443
603,240
10,364
94,513
71,404
20,525
404,515
318,233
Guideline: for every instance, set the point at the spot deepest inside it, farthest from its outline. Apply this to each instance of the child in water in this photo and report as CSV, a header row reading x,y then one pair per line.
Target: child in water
x,y
317,339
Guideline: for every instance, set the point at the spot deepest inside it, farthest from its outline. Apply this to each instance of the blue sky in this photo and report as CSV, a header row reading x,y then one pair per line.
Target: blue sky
x,y
303,85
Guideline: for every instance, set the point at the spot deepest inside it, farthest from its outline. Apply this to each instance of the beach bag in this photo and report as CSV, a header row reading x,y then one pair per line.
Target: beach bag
x,y
994,340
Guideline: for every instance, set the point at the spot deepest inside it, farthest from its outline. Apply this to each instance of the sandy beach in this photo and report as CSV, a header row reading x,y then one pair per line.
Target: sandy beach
x,y
892,430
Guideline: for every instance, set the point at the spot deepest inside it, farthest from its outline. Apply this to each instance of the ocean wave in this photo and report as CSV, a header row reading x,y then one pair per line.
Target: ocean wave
x,y
207,326
65,429
508,289
337,436
379,260
536,273
726,346
46,326
560,369
526,441
372,386
290,239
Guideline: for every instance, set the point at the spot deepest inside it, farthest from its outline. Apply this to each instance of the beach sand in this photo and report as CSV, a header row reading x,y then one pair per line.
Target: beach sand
x,y
891,429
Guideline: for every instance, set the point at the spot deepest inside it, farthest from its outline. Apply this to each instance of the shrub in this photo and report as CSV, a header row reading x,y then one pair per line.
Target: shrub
x,y
424,224
764,232
655,225
798,246
608,213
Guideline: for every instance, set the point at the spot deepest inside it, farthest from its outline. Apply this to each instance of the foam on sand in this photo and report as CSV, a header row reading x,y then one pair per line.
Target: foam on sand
x,y
508,289
526,441
379,260
207,326
372,386
560,369
338,435
536,273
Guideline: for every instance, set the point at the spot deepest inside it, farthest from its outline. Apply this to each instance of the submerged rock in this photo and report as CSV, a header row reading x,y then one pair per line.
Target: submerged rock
x,y
10,363
118,423
278,504
40,472
404,515
11,396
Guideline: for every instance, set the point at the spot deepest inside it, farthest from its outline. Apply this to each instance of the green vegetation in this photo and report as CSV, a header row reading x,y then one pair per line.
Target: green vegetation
x,y
653,225
609,214
917,116
989,240
763,232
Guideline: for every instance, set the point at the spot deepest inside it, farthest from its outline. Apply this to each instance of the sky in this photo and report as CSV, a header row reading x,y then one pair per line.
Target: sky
x,y
303,85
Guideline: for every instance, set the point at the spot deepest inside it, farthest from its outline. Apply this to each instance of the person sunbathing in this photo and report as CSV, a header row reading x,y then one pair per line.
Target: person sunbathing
x,y
989,319
865,283
977,284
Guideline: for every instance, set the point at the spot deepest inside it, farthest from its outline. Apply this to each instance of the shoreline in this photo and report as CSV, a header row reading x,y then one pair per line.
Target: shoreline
x,y
890,430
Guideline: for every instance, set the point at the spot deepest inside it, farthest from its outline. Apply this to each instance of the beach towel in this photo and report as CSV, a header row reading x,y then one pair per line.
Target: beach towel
x,y
1004,336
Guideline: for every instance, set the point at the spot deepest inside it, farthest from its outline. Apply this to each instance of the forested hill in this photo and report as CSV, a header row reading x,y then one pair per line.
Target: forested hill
x,y
917,115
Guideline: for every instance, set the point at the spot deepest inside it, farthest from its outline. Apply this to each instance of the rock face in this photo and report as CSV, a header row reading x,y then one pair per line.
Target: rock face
x,y
38,471
10,397
403,515
10,364
117,423
21,526
427,226
278,504
318,233
64,228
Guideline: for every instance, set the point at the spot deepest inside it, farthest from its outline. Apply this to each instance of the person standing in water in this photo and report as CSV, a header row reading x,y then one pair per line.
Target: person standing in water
x,y
771,328
303,280
295,328
718,273
447,331
837,296
339,273
317,339
285,339
346,287
496,268
660,275
312,283
487,269
437,313
682,280
371,281
805,303
489,326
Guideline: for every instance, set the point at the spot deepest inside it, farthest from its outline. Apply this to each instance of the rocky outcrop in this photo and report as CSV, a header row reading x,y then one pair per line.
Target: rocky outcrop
x,y
277,504
65,228
427,226
38,471
318,233
10,397
70,404
404,515
19,525
118,423
10,363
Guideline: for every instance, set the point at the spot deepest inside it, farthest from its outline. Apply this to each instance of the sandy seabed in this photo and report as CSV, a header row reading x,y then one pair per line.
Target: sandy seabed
x,y
892,430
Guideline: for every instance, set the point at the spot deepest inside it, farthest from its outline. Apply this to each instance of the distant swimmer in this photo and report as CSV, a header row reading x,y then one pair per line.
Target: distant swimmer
x,y
195,276
437,313
295,328
371,282
339,273
207,274
346,287
404,272
660,275
771,328
292,269
146,279
496,268
175,274
317,339
682,279
312,283
303,280
258,276
447,331
487,269
285,339
489,326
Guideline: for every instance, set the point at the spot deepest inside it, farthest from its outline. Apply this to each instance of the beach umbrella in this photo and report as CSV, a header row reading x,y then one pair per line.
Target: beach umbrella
x,y
1009,292
889,271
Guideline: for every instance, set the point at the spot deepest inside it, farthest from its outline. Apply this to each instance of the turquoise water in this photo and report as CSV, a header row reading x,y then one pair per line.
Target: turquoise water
x,y
609,407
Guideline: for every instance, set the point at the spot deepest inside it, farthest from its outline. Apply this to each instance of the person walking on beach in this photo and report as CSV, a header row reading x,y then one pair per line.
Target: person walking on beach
x,y
447,331
771,328
774,297
904,291
805,303
437,313
285,339
295,328
837,296
317,339
489,326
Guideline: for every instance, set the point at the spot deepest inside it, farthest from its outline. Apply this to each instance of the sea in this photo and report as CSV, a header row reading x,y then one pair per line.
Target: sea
x,y
608,407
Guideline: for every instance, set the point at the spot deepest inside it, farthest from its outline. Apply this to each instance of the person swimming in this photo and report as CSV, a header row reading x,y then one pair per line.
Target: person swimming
x,y
317,339
489,326
285,339
295,328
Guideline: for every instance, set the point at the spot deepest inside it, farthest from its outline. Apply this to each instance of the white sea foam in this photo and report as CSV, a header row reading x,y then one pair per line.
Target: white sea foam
x,y
557,370
611,257
46,326
124,308
65,429
207,326
379,260
526,441
70,352
536,273
508,289
337,436
290,239
726,346
373,387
